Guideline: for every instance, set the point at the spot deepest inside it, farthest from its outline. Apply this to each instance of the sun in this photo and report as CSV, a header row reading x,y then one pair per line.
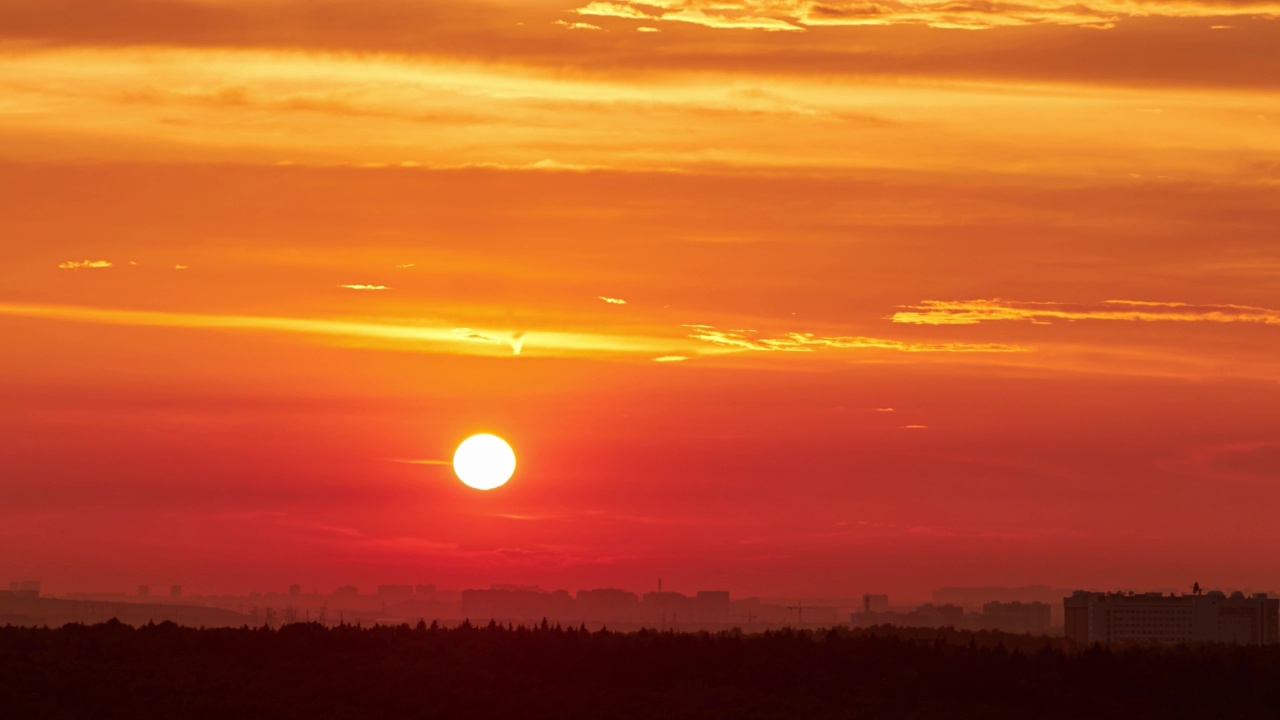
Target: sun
x,y
484,462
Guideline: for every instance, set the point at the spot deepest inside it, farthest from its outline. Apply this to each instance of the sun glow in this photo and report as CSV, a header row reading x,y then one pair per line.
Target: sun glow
x,y
484,462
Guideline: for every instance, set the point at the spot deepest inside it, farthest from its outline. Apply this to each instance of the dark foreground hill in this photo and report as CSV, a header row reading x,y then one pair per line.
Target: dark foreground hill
x,y
307,671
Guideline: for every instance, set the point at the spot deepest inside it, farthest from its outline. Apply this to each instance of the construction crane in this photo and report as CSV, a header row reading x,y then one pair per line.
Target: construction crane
x,y
799,608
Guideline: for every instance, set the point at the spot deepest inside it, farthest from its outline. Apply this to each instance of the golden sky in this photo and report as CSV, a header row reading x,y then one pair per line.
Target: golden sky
x,y
772,295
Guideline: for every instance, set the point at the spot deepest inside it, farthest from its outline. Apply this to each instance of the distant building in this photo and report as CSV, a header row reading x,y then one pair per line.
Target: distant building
x,y
1015,617
523,606
668,608
752,611
144,591
608,605
175,591
295,589
346,591
25,588
1159,618
424,592
941,615
392,594
875,603
511,587
711,606
811,615
927,615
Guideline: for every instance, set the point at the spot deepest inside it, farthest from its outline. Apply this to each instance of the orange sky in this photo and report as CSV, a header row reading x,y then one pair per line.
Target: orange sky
x,y
769,295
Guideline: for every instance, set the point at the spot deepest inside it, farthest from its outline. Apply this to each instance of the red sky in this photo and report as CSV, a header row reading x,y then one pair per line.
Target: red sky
x,y
915,294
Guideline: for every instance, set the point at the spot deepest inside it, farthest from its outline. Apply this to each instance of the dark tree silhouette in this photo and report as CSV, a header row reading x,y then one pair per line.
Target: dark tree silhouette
x,y
305,670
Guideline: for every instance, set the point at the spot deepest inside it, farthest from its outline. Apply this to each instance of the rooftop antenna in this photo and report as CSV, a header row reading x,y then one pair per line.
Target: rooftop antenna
x,y
1196,589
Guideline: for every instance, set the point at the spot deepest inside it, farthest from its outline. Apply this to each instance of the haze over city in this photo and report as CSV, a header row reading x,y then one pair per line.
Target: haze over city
x,y
778,297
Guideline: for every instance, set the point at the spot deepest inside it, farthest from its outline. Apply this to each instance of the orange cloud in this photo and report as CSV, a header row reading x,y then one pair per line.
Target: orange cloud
x,y
613,301
371,110
796,15
973,312
416,337
808,342
577,25
365,287
615,9
85,264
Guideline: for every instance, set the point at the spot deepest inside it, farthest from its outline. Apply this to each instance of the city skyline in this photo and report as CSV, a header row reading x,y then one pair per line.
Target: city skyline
x,y
789,297
1084,617
965,596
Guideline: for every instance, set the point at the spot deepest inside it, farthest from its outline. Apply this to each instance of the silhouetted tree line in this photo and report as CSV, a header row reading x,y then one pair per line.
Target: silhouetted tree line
x,y
112,670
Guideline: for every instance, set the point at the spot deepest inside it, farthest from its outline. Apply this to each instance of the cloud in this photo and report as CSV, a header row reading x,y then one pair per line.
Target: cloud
x,y
613,301
420,337
885,410
670,359
915,427
180,267
577,25
732,22
365,287
616,9
423,462
85,264
515,342
473,336
1239,461
405,265
797,15
708,14
973,312
808,342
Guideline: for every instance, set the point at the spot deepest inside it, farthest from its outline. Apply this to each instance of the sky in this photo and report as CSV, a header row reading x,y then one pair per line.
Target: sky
x,y
777,296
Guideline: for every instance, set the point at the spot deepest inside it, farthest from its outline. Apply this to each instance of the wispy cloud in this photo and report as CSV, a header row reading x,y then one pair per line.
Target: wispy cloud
x,y
515,342
423,462
622,9
973,312
797,15
1249,461
577,25
365,287
421,337
670,359
84,264
714,14
808,342
613,300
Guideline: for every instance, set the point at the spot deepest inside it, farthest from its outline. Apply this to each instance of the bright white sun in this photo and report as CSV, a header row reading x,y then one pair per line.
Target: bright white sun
x,y
484,462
